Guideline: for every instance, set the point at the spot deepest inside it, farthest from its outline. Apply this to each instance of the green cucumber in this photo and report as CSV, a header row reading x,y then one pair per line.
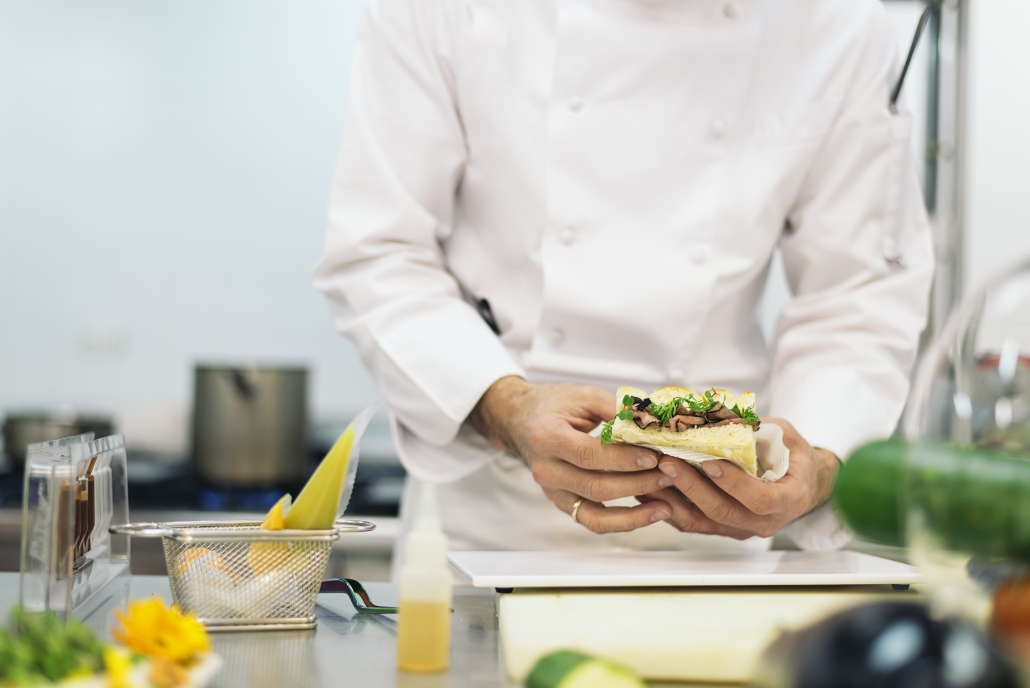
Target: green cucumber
x,y
970,499
867,495
571,669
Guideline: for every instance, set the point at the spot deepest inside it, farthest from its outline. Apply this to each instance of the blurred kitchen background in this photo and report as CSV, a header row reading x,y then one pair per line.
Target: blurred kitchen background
x,y
164,175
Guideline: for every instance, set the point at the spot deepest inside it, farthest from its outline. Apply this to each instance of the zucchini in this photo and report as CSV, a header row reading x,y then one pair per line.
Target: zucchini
x,y
970,499
571,669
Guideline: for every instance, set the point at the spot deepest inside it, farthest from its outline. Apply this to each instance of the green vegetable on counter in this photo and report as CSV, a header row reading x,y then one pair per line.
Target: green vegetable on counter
x,y
39,649
969,499
571,669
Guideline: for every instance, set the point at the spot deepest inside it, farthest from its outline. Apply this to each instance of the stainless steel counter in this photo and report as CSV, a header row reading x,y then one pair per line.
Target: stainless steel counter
x,y
347,649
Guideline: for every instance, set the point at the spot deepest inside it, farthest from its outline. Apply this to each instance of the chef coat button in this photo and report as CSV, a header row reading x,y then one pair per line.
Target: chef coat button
x,y
718,128
555,337
730,10
576,103
698,255
675,374
567,236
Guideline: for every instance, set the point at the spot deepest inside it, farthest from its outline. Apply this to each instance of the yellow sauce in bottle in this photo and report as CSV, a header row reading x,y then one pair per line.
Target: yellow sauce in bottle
x,y
423,635
425,591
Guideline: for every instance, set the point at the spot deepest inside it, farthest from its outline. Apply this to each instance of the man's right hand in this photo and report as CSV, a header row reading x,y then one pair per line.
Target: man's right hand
x,y
547,426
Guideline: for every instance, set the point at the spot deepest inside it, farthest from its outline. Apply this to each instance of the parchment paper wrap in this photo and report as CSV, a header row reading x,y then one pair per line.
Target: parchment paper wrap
x,y
773,455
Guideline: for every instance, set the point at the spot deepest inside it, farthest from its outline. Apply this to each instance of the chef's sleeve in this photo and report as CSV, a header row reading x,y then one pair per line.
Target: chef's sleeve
x,y
383,270
859,259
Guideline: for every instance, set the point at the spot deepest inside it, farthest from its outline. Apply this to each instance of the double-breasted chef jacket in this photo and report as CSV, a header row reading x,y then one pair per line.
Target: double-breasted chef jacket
x,y
612,177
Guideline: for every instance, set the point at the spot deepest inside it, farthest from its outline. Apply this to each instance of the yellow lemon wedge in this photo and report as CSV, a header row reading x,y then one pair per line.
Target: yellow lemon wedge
x,y
266,556
275,519
196,557
316,505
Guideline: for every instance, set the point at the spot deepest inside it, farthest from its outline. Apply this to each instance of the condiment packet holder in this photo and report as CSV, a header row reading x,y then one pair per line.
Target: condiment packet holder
x,y
75,491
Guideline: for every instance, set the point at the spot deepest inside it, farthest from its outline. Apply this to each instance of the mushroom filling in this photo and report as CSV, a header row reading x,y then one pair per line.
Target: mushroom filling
x,y
687,414
644,419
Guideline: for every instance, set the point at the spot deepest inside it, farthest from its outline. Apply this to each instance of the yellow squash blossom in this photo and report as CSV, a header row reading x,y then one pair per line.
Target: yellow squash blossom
x,y
155,630
165,673
117,665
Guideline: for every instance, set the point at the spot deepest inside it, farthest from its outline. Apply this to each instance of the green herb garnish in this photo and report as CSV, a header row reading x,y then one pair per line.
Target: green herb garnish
x,y
702,405
627,400
606,429
747,414
698,405
667,410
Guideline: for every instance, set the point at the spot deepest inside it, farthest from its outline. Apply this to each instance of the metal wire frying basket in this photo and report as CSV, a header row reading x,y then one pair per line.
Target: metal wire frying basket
x,y
236,577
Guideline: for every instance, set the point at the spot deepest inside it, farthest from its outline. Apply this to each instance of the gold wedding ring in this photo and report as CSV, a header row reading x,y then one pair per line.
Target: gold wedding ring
x,y
575,510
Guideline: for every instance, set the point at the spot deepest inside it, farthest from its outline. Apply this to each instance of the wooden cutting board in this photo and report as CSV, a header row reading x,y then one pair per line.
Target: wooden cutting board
x,y
711,634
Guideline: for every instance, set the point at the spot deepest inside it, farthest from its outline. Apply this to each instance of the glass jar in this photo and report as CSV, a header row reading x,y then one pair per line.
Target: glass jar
x,y
968,478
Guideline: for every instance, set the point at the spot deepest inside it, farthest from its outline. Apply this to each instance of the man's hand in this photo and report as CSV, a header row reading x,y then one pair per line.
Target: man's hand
x,y
730,502
547,426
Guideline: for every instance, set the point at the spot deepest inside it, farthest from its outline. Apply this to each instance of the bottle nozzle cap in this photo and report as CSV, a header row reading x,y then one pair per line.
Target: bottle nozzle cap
x,y
428,517
426,544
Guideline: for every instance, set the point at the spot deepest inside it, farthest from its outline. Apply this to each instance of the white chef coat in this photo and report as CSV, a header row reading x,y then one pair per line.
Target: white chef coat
x,y
613,177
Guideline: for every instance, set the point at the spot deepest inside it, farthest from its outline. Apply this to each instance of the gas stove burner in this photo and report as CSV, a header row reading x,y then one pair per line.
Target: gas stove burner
x,y
218,498
11,487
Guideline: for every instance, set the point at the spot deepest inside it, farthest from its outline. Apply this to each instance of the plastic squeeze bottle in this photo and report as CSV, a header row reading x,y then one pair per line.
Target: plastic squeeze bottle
x,y
425,592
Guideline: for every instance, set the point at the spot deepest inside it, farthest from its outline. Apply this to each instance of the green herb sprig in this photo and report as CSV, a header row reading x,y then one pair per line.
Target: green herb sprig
x,y
698,405
747,414
606,429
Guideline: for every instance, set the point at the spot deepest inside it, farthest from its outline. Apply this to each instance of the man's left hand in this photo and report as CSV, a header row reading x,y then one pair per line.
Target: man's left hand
x,y
728,501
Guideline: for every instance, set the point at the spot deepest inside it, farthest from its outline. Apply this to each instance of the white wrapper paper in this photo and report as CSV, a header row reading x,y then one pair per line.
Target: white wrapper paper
x,y
773,455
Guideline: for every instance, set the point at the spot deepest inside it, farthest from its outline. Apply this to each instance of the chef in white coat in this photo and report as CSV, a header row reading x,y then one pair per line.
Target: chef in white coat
x,y
540,200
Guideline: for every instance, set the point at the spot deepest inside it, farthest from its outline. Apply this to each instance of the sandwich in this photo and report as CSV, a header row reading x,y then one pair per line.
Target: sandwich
x,y
695,427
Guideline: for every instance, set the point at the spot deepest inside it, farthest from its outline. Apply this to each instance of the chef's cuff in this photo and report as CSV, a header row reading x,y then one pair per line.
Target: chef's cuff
x,y
818,531
874,407
465,454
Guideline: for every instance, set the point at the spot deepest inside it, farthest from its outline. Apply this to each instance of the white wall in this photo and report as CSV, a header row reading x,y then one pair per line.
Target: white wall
x,y
164,175
164,172
998,144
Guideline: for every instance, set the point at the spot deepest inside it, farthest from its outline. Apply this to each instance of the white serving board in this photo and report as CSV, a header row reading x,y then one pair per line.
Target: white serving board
x,y
677,569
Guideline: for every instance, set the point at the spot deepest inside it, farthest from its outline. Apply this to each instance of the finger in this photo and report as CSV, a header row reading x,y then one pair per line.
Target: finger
x,y
687,518
758,496
709,498
598,403
580,449
791,437
598,518
596,486
654,495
